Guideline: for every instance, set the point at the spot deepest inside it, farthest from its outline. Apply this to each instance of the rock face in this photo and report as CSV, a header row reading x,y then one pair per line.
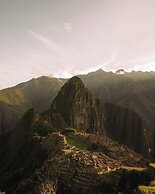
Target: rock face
x,y
22,153
23,129
127,127
77,108
21,133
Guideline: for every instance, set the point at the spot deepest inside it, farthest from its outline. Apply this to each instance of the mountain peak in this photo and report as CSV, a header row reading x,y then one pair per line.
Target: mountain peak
x,y
70,88
75,107
99,71
75,82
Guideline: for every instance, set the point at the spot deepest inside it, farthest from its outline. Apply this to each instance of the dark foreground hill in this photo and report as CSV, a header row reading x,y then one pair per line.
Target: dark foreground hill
x,y
45,154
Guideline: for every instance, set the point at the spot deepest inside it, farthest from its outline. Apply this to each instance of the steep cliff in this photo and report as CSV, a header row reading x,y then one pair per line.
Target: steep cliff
x,y
77,108
127,127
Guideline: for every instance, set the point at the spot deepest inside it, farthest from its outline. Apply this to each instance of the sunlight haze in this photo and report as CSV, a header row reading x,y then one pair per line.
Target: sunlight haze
x,y
64,38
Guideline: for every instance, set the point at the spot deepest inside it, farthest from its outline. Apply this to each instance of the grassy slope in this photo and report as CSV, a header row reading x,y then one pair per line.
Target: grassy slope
x,y
37,93
78,142
32,93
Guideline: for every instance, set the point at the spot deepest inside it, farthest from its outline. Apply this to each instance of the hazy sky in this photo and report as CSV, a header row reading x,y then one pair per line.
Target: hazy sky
x,y
67,37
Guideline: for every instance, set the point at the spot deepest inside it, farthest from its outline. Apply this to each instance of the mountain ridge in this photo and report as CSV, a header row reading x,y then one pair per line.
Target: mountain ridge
x,y
133,91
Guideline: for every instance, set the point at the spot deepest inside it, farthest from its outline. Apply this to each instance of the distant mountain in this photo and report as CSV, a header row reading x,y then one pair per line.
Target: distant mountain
x,y
120,72
37,93
134,91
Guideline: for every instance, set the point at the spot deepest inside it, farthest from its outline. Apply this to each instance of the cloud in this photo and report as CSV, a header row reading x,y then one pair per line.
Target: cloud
x,y
68,27
51,57
55,28
51,45
47,42
145,67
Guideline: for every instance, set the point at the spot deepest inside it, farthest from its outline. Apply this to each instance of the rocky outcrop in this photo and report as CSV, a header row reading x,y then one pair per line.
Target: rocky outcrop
x,y
77,108
23,129
21,133
20,151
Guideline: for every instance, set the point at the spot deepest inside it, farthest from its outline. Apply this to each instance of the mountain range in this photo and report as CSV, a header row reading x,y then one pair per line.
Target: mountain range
x,y
77,129
133,93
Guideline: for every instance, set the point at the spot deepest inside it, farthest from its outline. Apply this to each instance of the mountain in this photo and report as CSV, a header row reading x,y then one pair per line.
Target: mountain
x,y
21,154
127,127
134,92
77,107
120,72
41,158
14,102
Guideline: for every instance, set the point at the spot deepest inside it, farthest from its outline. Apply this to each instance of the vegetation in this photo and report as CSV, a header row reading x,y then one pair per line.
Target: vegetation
x,y
68,131
42,128
15,101
78,142
81,143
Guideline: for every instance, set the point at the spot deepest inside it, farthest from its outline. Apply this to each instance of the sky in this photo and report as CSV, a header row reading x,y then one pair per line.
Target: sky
x,y
63,38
